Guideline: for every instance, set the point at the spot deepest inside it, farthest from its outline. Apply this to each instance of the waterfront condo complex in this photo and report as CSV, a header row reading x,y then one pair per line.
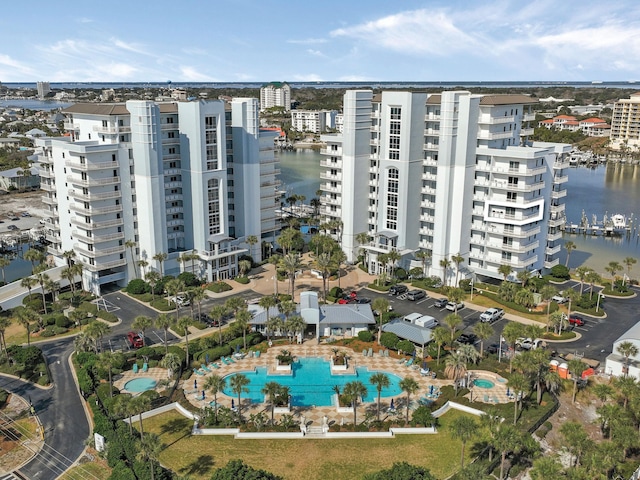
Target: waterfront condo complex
x,y
142,185
449,174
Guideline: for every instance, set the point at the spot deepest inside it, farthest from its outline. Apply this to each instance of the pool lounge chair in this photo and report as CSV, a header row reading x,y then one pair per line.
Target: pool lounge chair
x,y
205,368
364,352
485,398
257,354
230,360
197,372
381,353
409,362
402,360
425,371
224,360
386,352
199,397
145,367
370,354
495,399
214,365
135,368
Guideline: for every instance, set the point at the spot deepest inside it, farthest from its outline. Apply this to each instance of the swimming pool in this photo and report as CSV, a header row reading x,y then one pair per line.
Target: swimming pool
x,y
141,384
483,383
312,383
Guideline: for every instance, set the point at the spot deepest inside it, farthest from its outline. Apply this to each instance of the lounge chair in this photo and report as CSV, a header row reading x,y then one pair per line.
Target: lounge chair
x,y
257,354
409,362
205,368
364,352
386,352
145,367
426,400
224,360
485,398
197,372
135,368
370,352
495,399
402,360
424,372
214,365
231,360
381,353
199,397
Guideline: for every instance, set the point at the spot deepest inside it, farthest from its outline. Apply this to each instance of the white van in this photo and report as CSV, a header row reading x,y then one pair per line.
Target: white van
x,y
412,317
426,321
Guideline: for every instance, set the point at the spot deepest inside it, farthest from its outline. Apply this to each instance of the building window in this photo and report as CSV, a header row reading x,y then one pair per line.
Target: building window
x,y
392,199
213,197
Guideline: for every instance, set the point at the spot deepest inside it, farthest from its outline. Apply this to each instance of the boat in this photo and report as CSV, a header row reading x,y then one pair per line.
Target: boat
x,y
619,221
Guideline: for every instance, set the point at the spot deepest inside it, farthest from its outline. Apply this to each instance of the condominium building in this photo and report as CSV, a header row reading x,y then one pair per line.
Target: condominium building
x,y
43,88
141,178
449,174
625,123
275,94
314,121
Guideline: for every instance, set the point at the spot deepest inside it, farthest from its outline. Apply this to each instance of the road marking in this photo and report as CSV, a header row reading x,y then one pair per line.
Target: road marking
x,y
470,315
421,301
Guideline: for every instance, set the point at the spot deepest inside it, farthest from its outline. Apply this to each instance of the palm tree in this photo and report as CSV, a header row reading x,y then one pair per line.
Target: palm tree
x,y
184,323
160,257
294,325
546,293
108,360
170,361
143,264
354,391
410,387
139,405
215,384
95,331
142,322
173,288
25,316
484,331
517,382
165,322
380,306
217,313
273,324
4,263
53,287
42,278
627,386
199,295
452,322
457,259
28,283
32,255
363,238
238,384
69,274
69,255
456,295
251,241
455,368
244,266
507,439
603,391
324,263
5,322
569,246
557,321
523,277
243,317
440,336
576,367
505,270
150,448
338,257
627,350
511,332
380,381
130,244
393,256
628,261
592,277
423,256
153,278
613,268
463,429
272,390
123,407
445,263
291,264
582,272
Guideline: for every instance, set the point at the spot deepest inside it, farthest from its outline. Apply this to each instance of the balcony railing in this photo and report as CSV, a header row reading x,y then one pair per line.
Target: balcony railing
x,y
558,194
99,252
93,225
519,187
90,197
90,182
97,238
91,165
105,265
46,173
221,252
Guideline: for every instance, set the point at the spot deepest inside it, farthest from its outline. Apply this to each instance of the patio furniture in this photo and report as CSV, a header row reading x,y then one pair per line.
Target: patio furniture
x,y
257,355
495,399
135,368
370,354
224,360
486,398
205,368
197,372
424,372
230,360
409,362
364,352
214,365
381,353
145,367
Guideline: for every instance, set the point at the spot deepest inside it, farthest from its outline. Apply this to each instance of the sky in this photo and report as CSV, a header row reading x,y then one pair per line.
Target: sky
x,y
329,40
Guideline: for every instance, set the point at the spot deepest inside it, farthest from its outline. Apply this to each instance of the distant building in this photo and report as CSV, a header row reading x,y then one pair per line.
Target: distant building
x,y
625,123
615,363
595,127
195,178
19,178
314,121
275,94
43,89
592,127
561,122
179,94
339,122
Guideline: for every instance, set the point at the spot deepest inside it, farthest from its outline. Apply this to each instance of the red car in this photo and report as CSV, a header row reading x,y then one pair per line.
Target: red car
x,y
576,320
348,298
135,340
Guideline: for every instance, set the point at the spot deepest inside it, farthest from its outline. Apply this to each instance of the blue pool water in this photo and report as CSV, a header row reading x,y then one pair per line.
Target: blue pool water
x,y
141,384
312,383
482,383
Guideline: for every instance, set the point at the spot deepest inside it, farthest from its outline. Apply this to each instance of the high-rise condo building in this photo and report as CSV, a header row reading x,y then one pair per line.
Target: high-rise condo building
x,y
448,174
140,179
625,124
275,94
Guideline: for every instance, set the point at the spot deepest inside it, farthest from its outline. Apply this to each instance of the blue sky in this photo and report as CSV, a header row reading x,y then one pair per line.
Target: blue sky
x,y
372,40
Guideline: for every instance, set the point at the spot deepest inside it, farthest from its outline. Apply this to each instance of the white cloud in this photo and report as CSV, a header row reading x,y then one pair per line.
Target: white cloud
x,y
191,74
308,41
307,77
316,53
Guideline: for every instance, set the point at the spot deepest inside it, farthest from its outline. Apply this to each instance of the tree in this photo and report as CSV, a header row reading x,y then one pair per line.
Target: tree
x,y
124,407
440,336
238,384
569,246
592,277
484,331
5,322
273,391
457,259
173,287
153,278
603,392
545,468
244,266
197,296
142,323
215,384
576,367
507,439
69,255
139,405
338,257
108,360
28,283
294,325
160,257
627,386
183,323
613,268
379,380
170,361
4,263
25,316
217,313
165,322
511,332
243,317
523,277
464,429
52,287
273,324
572,296
291,264
251,241
546,293
237,470
445,263
130,244
69,274
582,272
380,306
324,263
455,368
410,386
363,238
628,261
557,321
354,391
143,264
32,255
96,330
424,256
150,448
627,350
517,382
576,440
42,278
452,322
505,270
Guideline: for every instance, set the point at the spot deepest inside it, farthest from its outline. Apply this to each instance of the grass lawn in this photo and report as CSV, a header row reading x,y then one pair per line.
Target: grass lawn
x,y
302,459
93,470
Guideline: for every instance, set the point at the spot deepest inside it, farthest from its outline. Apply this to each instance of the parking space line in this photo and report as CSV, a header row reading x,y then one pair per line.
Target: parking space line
x,y
420,301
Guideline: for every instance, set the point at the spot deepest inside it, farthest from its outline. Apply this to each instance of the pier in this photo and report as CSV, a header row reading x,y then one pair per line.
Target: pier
x,y
616,225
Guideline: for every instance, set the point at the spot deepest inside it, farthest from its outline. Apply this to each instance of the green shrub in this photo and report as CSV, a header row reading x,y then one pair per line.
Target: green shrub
x,y
144,297
189,279
107,316
243,280
35,304
53,330
560,272
62,321
401,274
138,286
103,391
214,353
406,346
162,305
587,302
365,336
336,292
52,318
389,340
4,395
219,287
88,307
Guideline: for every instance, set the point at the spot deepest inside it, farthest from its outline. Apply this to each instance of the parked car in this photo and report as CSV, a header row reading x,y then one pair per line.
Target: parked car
x,y
452,306
491,315
559,299
25,214
576,320
345,300
362,300
468,338
441,302
493,348
13,218
398,289
180,301
416,295
203,317
12,227
530,344
135,340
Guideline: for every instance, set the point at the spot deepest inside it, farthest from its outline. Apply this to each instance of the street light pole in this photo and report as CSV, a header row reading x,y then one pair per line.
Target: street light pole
x,y
598,302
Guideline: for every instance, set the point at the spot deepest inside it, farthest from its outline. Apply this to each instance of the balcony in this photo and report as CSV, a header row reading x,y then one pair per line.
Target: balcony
x,y
175,223
553,250
552,263
116,222
330,176
87,166
100,252
557,208
557,222
332,213
558,194
47,187
220,252
431,146
91,182
170,141
551,237
488,120
90,197
485,135
513,233
523,170
174,196
46,173
561,179
105,265
518,187
526,131
528,117
514,248
95,211
69,125
330,164
561,163
50,200
427,204
330,151
97,238
49,223
429,176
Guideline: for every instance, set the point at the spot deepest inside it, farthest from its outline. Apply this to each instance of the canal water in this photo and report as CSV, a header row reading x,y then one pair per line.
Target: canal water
x,y
610,189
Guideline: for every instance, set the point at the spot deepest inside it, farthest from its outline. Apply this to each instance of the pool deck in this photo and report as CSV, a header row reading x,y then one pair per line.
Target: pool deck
x,y
314,415
158,374
494,395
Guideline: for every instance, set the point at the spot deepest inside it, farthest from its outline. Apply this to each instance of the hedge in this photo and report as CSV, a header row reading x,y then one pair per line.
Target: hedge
x,y
242,280
162,305
219,287
107,316
214,353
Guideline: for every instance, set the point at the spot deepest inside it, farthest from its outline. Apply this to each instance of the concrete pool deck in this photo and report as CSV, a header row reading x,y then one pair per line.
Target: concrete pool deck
x,y
314,414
